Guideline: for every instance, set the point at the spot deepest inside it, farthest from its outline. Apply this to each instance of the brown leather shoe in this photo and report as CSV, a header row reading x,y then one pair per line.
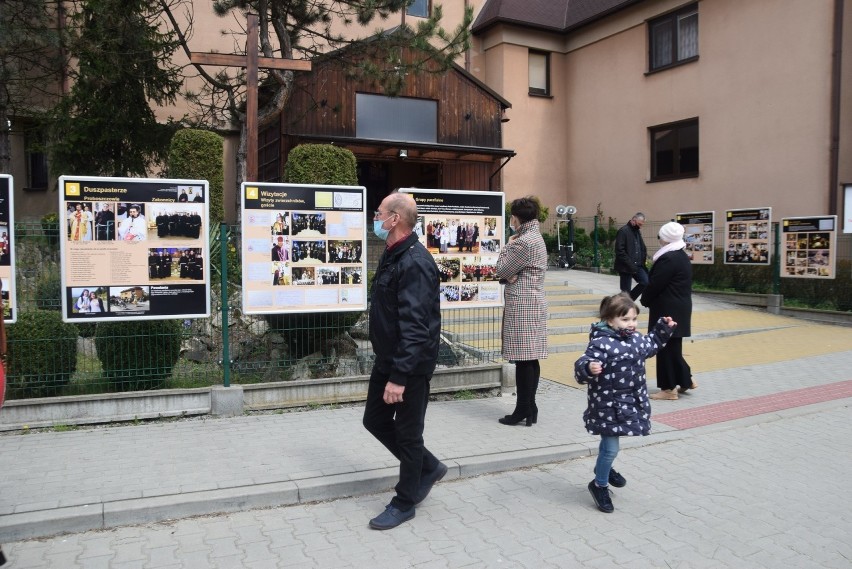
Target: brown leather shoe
x,y
664,395
685,389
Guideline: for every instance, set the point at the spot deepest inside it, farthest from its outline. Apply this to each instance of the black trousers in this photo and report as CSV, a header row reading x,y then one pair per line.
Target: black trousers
x,y
672,369
400,428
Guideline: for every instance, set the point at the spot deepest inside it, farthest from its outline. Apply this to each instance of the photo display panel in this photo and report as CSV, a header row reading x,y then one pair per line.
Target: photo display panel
x,y
747,236
303,248
134,248
464,233
7,248
810,245
698,235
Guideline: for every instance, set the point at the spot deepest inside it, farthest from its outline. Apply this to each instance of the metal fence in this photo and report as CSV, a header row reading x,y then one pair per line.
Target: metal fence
x,y
594,239
49,358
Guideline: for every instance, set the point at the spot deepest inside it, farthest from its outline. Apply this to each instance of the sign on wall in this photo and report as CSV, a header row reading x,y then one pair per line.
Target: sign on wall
x,y
847,209
134,248
304,248
464,233
7,248
698,235
809,246
747,236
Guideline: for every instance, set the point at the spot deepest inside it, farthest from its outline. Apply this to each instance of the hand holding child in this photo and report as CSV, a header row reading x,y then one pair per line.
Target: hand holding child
x,y
669,322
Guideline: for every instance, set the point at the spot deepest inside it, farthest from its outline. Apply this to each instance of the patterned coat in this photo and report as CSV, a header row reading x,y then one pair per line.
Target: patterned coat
x,y
618,402
525,308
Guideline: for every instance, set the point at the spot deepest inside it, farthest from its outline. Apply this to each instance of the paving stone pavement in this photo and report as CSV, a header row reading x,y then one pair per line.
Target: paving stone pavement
x,y
742,495
737,492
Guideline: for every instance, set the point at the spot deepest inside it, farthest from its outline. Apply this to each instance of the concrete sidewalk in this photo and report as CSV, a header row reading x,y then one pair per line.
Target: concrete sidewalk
x,y
119,475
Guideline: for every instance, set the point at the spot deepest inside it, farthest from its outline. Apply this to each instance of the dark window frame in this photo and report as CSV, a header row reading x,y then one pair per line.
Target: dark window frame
x,y
38,172
428,13
533,91
671,18
677,172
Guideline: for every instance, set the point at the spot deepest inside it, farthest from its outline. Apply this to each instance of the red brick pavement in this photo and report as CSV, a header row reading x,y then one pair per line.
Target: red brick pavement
x,y
730,410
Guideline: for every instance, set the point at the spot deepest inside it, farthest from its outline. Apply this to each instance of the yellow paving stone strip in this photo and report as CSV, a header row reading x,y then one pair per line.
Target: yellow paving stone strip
x,y
771,346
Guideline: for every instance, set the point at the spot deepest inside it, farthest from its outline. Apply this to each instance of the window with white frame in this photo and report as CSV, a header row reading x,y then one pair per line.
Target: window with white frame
x,y
539,72
673,38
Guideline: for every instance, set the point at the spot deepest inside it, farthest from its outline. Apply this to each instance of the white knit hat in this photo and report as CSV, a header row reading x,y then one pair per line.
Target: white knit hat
x,y
671,232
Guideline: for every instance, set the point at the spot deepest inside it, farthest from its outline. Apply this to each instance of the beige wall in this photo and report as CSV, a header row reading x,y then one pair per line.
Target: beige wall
x,y
760,90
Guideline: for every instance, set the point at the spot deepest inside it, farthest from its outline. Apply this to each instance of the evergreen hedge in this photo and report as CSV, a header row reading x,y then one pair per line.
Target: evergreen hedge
x,y
42,354
138,355
321,164
197,155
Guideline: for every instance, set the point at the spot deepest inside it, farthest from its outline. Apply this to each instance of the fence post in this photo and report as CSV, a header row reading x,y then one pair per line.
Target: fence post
x,y
597,261
226,356
776,261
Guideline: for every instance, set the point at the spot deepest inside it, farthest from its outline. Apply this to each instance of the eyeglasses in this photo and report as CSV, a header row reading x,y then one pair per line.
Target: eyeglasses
x,y
378,213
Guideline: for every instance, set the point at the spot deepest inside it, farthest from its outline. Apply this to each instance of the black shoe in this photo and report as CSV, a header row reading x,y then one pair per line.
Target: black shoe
x,y
616,479
426,482
391,517
601,497
2,558
514,420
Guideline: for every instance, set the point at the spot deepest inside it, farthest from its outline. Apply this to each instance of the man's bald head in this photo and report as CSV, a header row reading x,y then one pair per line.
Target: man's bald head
x,y
405,206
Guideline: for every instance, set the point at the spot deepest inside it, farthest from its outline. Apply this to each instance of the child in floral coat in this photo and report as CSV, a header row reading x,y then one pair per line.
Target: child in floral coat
x,y
613,366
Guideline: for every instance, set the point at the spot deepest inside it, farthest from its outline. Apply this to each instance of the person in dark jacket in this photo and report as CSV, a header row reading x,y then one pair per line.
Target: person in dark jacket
x,y
669,292
630,255
405,328
613,366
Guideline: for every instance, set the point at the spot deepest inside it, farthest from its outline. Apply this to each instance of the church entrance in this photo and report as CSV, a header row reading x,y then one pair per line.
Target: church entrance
x,y
381,177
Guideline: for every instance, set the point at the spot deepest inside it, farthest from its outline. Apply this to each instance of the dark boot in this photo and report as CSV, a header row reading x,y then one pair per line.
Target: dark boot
x,y
523,386
533,390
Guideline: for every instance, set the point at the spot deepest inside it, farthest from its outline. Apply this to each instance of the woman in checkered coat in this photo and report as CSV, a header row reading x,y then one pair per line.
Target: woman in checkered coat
x,y
521,266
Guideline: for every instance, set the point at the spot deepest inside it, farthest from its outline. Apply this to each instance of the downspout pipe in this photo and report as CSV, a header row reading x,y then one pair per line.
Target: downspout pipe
x,y
836,85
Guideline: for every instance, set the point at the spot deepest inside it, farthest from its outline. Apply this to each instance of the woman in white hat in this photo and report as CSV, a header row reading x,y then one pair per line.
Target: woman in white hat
x,y
669,293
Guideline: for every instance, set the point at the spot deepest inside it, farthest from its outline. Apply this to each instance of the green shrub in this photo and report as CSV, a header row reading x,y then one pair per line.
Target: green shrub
x,y
48,293
42,354
307,333
321,164
138,355
50,228
197,155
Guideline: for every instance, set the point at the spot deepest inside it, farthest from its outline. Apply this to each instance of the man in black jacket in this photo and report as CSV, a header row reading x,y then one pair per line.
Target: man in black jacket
x,y
405,327
630,256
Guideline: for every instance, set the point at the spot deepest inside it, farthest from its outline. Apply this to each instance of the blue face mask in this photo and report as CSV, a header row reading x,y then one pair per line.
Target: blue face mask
x,y
380,231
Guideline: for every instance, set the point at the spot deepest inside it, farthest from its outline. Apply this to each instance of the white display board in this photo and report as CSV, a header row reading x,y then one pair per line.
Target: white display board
x,y
303,248
810,247
134,248
7,248
463,230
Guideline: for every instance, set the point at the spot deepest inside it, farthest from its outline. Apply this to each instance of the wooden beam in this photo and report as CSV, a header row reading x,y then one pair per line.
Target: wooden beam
x,y
228,60
251,99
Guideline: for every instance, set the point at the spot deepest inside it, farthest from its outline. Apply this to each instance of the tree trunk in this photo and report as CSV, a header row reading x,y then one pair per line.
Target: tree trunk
x,y
5,142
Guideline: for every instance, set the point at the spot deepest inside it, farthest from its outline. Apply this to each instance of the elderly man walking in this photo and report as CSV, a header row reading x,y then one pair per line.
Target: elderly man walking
x,y
630,256
405,326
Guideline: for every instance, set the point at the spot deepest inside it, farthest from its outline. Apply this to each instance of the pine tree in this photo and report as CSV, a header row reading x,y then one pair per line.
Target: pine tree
x,y
122,56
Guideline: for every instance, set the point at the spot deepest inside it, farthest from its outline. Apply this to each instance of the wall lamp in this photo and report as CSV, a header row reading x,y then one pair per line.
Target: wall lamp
x,y
403,153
